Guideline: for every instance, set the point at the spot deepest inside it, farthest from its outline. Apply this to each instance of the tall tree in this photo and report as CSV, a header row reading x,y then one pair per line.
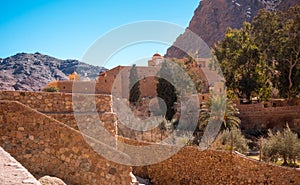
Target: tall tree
x,y
291,48
241,62
134,85
277,34
166,91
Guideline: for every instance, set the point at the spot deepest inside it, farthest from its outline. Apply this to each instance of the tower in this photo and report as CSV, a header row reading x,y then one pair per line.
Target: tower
x,y
157,59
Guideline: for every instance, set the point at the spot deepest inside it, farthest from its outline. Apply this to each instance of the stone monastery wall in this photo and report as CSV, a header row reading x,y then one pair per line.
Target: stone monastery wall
x,y
259,117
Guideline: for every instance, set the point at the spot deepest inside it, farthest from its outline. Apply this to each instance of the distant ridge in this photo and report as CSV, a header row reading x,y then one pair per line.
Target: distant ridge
x,y
31,72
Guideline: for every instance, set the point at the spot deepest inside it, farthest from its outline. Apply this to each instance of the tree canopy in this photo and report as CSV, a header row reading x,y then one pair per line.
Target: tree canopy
x,y
278,36
264,56
241,62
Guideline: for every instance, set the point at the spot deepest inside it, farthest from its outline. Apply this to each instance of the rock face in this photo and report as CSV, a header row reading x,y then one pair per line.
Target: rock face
x,y
212,17
47,180
31,72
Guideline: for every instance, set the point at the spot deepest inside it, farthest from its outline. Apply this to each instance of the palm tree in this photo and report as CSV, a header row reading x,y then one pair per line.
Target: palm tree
x,y
219,108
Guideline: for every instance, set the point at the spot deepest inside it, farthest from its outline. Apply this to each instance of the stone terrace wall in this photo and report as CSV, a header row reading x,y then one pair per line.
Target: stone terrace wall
x,y
47,147
60,107
108,119
258,117
191,166
58,102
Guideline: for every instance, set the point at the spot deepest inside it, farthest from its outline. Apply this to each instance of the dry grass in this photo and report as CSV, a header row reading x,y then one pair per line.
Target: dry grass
x,y
279,162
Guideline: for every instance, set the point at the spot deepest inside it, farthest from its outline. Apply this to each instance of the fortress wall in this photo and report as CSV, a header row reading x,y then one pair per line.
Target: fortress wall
x,y
105,83
258,117
148,87
120,86
116,81
47,147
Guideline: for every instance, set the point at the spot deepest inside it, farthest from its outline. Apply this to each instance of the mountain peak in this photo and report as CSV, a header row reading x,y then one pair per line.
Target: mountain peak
x,y
212,17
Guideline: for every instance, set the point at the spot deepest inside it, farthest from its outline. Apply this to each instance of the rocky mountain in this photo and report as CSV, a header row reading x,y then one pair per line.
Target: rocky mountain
x,y
212,17
31,72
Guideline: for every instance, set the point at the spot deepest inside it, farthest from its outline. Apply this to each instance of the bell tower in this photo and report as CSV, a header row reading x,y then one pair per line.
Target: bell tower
x,y
157,59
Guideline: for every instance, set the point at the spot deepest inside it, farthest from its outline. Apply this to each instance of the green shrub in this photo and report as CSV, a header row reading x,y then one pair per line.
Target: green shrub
x,y
285,145
231,140
51,89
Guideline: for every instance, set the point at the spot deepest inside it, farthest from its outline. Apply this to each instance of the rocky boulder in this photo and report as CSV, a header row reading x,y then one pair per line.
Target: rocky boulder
x,y
47,180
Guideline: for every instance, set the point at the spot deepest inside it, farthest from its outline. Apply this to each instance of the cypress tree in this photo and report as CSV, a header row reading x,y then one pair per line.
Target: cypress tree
x,y
166,91
134,85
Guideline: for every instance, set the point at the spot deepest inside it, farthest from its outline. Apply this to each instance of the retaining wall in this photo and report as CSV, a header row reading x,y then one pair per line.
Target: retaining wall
x,y
191,166
47,147
258,117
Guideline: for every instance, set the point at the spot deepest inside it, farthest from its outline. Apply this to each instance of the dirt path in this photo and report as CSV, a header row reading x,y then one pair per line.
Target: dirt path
x,y
12,172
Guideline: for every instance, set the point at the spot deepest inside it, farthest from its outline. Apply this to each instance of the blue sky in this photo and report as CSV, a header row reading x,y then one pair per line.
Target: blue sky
x,y
67,28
